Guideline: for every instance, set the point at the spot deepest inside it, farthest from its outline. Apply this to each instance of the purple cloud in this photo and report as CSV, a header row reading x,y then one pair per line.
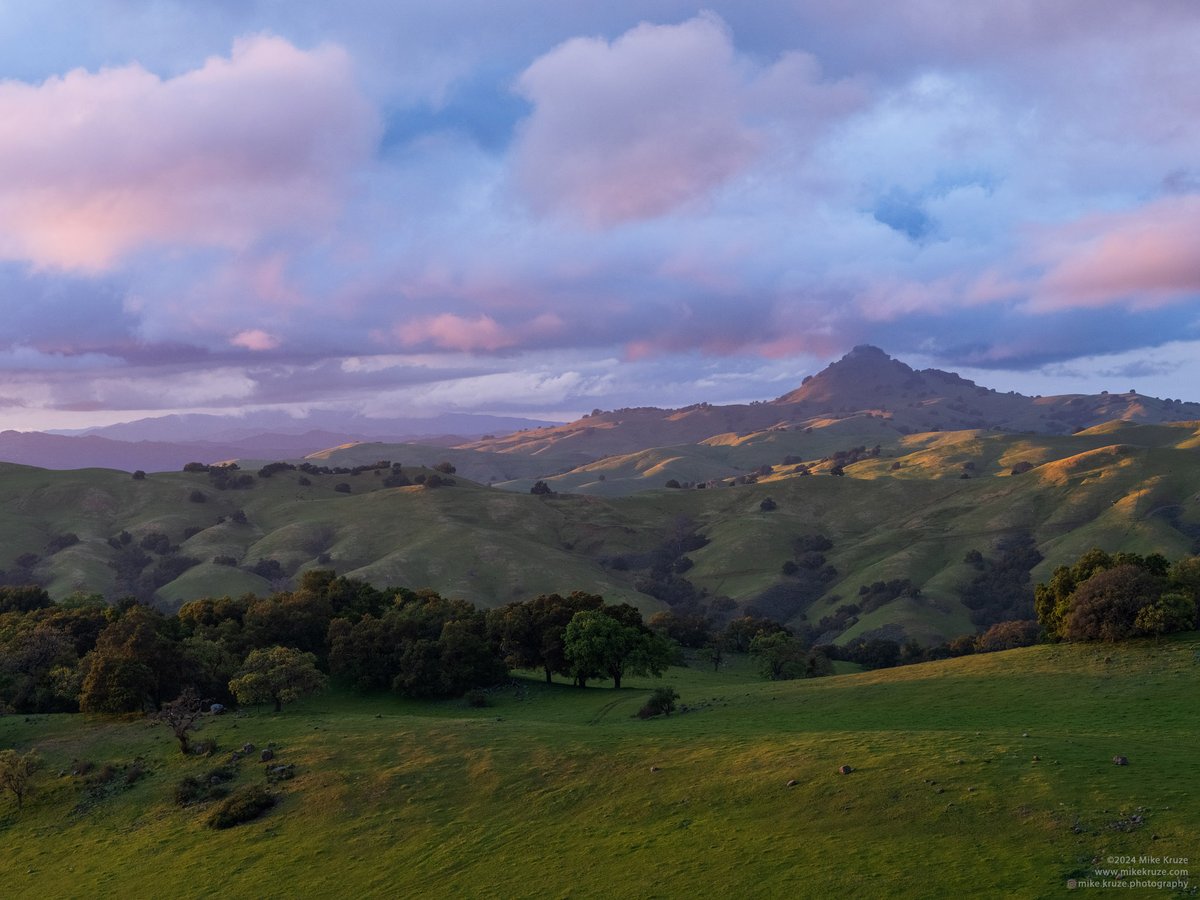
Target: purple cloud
x,y
667,206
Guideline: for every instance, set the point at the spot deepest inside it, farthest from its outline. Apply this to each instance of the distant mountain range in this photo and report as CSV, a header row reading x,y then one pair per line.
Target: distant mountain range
x,y
167,443
865,387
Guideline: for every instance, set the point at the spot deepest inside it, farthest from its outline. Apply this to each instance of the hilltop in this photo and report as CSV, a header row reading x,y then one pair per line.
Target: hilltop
x,y
864,382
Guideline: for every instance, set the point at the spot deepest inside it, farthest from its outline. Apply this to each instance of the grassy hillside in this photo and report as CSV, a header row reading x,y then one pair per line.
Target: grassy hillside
x,y
907,513
988,775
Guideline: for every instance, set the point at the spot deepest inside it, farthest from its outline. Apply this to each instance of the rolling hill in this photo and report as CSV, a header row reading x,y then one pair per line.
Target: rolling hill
x,y
988,774
866,399
911,512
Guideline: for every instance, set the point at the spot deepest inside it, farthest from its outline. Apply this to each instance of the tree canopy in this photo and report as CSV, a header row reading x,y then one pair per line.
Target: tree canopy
x,y
278,675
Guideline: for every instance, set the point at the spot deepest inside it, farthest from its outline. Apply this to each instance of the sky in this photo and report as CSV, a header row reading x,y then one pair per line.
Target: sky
x,y
541,208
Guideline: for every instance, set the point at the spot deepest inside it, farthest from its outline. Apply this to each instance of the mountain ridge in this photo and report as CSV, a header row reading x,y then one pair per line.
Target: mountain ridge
x,y
865,381
865,394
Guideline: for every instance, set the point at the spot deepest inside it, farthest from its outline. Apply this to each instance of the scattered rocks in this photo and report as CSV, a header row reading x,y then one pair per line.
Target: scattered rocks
x,y
1128,823
845,770
1120,760
284,772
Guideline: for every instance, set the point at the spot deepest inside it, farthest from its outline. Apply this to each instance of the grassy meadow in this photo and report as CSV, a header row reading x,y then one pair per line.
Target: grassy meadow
x,y
985,776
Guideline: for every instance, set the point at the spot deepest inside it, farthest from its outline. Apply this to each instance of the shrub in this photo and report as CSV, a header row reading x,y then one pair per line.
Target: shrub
x,y
198,497
211,786
244,805
661,703
271,468
139,475
478,699
61,542
342,487
1007,635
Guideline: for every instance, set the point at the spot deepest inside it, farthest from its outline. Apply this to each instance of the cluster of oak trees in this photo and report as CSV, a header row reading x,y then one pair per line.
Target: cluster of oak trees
x,y
1115,596
84,654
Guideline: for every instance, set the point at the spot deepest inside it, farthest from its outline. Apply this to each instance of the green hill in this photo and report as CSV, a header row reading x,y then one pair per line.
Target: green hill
x,y
988,775
911,512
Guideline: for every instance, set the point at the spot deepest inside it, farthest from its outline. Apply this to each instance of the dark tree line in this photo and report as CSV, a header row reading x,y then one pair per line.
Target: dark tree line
x,y
84,654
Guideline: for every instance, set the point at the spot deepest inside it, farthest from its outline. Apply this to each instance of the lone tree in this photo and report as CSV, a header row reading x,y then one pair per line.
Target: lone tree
x,y
182,716
661,703
16,772
277,674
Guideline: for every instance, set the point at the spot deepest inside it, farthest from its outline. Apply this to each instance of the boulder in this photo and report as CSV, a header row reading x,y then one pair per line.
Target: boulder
x,y
845,770
267,755
1120,760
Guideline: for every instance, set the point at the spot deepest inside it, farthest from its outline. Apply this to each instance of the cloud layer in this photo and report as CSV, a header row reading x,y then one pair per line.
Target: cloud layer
x,y
96,166
641,203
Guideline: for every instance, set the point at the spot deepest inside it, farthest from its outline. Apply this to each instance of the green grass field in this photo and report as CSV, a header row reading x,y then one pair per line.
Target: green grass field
x,y
982,776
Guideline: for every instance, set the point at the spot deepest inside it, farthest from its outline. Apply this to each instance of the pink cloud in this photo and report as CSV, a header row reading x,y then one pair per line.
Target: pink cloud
x,y
1145,257
635,128
255,339
474,335
660,118
97,165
